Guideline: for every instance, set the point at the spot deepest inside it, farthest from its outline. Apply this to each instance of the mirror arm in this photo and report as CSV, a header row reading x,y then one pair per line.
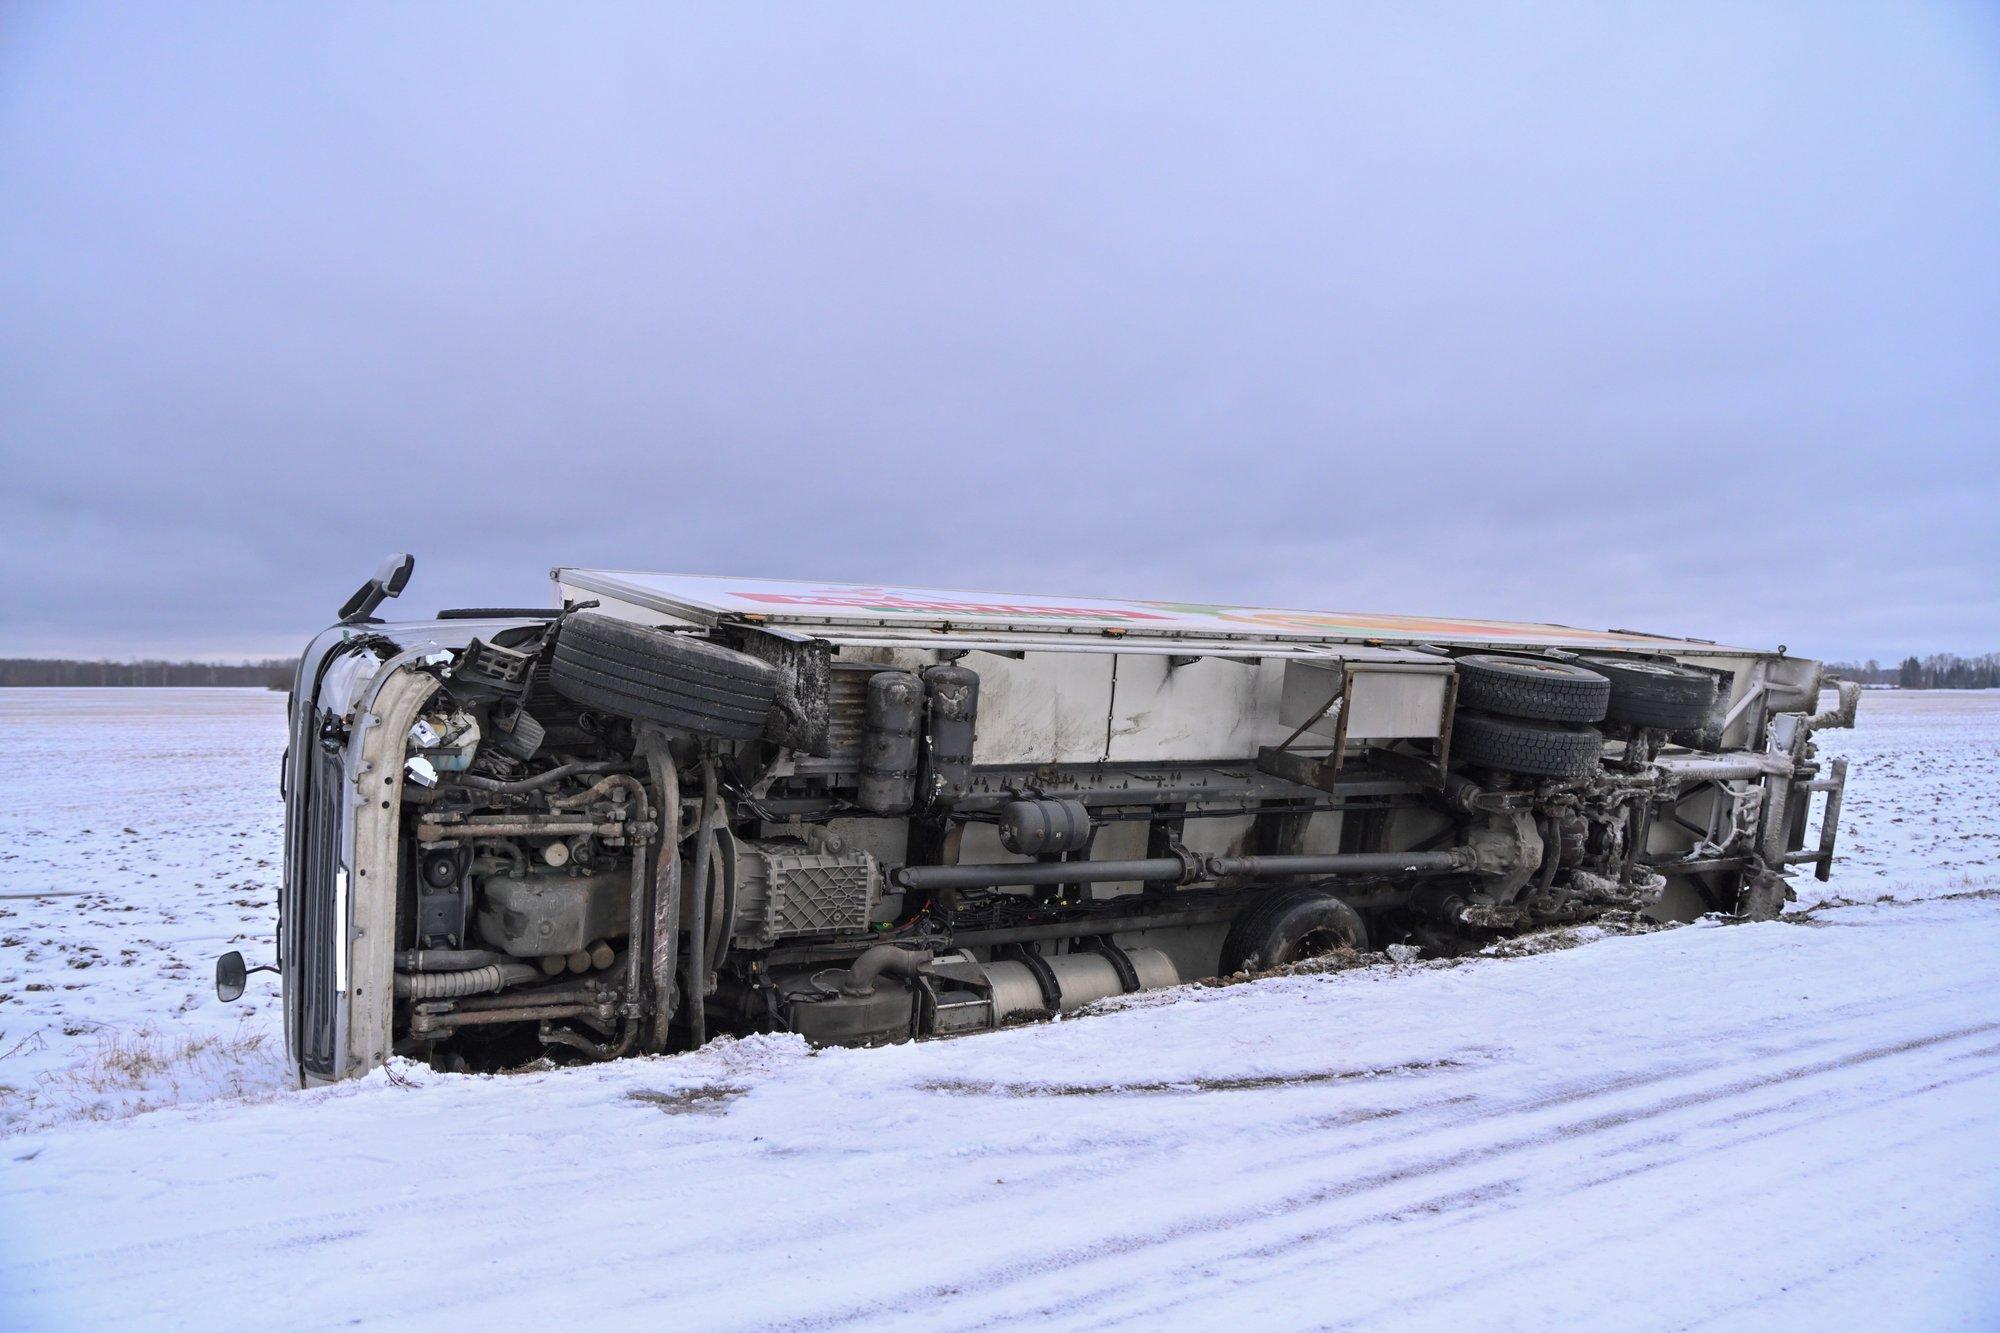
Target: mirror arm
x,y
389,580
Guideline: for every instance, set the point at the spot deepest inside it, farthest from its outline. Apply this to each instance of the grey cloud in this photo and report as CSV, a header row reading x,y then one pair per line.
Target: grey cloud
x,y
1674,317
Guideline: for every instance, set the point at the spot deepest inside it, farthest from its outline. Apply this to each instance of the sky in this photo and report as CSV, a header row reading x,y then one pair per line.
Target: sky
x,y
1677,317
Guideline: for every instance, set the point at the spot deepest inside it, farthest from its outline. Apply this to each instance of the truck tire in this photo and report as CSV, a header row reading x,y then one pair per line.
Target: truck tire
x,y
1286,925
1656,694
1523,745
653,676
1533,687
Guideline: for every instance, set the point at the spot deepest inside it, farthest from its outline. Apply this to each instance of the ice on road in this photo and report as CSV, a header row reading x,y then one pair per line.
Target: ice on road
x,y
1791,1124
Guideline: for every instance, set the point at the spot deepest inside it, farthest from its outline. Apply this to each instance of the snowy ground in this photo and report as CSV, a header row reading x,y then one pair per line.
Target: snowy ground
x,y
1792,1124
152,818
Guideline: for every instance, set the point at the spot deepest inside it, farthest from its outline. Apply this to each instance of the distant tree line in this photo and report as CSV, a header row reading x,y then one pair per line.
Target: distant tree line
x,y
1939,671
275,673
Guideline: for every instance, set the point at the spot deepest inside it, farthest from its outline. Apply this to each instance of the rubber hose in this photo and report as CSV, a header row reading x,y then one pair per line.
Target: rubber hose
x,y
539,780
474,981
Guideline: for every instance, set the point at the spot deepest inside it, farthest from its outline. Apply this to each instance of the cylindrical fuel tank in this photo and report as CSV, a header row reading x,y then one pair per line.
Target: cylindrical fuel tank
x,y
952,708
890,720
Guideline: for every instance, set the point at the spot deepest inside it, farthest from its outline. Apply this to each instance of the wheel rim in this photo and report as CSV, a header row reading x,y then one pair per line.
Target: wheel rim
x,y
1315,943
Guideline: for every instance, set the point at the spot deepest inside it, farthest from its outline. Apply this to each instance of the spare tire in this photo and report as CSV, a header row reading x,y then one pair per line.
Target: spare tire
x,y
1522,745
1286,925
1656,694
1537,687
653,676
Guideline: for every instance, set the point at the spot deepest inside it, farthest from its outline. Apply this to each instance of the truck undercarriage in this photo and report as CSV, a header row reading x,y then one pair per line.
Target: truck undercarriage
x,y
624,827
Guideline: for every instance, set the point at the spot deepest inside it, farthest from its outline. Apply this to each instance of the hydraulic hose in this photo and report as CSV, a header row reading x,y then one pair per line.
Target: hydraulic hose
x,y
604,787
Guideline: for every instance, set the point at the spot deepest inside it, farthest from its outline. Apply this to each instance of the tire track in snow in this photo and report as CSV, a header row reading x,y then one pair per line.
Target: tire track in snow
x,y
1120,1251
1730,1132
1402,1127
1709,1206
1396,1130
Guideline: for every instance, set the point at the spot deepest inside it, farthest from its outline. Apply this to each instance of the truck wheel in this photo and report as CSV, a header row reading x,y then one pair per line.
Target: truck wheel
x,y
1521,745
1656,694
1286,925
648,674
1536,687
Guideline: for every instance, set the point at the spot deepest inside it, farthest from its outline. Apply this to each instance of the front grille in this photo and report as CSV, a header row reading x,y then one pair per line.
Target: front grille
x,y
319,917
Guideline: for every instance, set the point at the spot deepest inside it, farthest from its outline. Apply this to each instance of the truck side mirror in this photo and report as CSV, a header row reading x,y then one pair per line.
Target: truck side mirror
x,y
230,975
389,580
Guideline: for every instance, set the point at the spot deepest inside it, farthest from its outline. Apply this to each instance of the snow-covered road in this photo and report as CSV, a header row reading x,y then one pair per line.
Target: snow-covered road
x,y
1733,1125
1794,1124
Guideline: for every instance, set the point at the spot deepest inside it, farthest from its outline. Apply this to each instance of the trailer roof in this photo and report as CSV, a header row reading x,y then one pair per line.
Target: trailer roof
x,y
705,599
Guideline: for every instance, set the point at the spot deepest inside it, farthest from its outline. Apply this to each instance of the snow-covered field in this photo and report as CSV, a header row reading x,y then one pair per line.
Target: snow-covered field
x,y
1794,1124
151,820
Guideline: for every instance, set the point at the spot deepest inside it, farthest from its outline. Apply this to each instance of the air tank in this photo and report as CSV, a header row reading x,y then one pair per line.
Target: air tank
x,y
952,708
890,716
1039,827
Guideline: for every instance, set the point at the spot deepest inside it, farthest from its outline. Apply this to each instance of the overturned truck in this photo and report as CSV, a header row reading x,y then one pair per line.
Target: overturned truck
x,y
673,807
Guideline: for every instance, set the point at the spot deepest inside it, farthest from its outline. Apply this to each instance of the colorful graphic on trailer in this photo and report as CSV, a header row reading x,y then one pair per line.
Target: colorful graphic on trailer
x,y
787,600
